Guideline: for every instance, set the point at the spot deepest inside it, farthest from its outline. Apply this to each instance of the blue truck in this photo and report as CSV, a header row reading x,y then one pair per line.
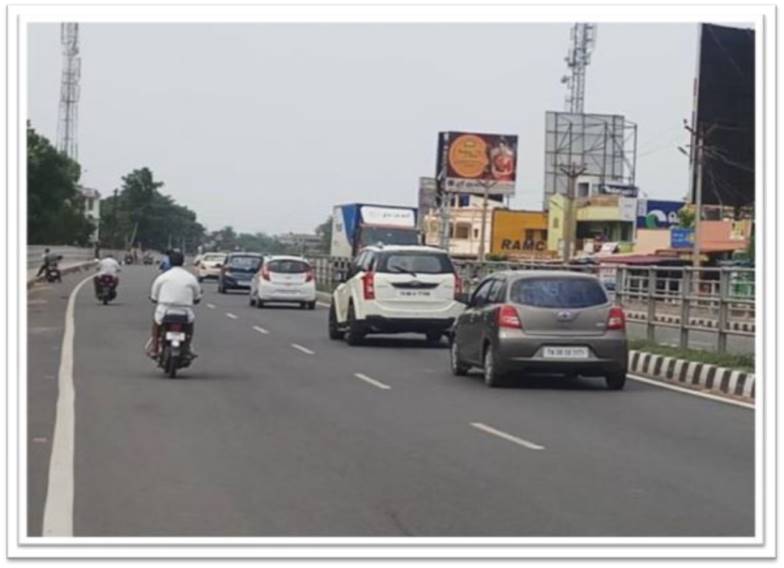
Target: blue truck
x,y
355,225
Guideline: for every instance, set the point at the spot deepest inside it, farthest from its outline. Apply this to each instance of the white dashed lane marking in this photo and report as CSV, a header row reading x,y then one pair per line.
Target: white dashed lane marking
x,y
374,382
231,316
211,306
261,330
505,436
303,349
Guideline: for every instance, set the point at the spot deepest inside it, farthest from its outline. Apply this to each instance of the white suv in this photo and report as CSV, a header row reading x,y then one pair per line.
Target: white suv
x,y
396,289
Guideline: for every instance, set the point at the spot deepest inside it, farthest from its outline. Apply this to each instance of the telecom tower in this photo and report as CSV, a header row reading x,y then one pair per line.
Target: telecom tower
x,y
583,42
69,91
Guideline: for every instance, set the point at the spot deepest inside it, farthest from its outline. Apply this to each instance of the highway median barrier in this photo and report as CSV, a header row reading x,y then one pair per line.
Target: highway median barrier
x,y
723,381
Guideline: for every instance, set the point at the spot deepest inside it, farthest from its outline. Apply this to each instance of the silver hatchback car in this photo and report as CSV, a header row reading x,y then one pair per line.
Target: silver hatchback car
x,y
541,322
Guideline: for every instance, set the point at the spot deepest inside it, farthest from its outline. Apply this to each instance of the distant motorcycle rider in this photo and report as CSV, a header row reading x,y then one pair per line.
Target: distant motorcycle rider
x,y
47,258
107,266
176,289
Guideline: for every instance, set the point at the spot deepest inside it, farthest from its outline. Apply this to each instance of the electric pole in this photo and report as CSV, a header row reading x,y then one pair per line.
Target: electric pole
x,y
573,171
486,186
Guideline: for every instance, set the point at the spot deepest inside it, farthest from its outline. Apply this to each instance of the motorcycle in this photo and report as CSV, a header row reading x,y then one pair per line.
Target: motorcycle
x,y
174,343
148,259
106,288
129,259
52,273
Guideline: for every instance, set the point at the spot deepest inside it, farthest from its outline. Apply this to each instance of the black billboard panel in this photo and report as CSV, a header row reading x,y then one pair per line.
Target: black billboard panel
x,y
725,114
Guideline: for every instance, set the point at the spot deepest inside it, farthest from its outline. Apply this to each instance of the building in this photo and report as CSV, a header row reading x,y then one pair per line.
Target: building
x,y
599,220
92,209
465,225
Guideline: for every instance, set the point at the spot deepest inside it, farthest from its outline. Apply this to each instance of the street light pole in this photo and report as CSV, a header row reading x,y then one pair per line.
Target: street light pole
x,y
482,232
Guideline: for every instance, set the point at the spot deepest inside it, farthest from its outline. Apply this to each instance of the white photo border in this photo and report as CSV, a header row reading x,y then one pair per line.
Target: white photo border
x,y
761,545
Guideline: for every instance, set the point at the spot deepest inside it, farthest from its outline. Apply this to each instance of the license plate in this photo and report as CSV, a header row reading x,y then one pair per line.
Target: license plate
x,y
175,335
413,293
565,353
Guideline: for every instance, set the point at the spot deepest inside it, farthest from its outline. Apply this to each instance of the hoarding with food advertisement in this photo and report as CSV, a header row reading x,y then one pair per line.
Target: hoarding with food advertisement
x,y
475,163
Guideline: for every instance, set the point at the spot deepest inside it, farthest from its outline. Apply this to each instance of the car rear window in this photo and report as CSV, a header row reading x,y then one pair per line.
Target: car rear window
x,y
415,262
288,266
244,262
557,293
213,257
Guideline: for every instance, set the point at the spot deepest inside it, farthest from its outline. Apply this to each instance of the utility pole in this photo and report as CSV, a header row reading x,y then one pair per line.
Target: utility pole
x,y
697,156
573,171
486,186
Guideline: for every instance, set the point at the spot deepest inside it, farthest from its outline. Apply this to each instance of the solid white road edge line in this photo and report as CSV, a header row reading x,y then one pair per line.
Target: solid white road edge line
x,y
692,392
230,315
505,436
373,382
303,349
58,506
261,330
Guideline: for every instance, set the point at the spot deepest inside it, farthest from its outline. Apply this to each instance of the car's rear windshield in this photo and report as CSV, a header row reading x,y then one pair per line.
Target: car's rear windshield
x,y
244,262
557,292
214,257
288,266
414,263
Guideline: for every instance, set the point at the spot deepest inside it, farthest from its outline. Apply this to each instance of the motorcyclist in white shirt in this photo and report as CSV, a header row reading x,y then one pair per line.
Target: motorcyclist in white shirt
x,y
174,289
107,265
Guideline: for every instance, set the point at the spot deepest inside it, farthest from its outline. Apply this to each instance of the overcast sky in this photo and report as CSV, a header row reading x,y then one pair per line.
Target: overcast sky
x,y
266,126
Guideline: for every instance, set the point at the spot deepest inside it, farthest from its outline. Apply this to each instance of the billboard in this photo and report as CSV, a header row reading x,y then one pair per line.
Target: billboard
x,y
657,214
681,238
724,109
475,163
604,146
518,233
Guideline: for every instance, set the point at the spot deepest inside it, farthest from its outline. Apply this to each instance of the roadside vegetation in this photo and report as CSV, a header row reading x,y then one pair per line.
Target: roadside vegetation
x,y
744,362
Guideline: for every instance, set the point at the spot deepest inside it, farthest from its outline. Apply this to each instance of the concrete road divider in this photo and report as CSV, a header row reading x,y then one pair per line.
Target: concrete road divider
x,y
722,381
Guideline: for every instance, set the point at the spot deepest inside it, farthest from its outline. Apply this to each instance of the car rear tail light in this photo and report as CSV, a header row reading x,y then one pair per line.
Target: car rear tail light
x,y
369,286
458,287
508,317
309,276
617,319
265,273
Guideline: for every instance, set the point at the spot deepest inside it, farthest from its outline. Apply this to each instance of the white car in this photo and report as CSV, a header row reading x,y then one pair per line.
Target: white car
x,y
396,289
284,279
209,265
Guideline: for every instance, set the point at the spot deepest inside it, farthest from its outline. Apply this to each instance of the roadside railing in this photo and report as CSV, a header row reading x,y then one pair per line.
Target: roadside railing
x,y
715,300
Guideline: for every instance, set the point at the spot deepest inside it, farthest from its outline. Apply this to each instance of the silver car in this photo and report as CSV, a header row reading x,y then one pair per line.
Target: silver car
x,y
541,322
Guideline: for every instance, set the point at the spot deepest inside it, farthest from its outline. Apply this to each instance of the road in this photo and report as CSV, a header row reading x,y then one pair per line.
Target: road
x,y
277,431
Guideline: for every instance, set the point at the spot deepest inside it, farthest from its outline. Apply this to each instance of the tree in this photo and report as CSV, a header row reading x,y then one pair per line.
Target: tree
x,y
55,206
686,216
139,214
324,231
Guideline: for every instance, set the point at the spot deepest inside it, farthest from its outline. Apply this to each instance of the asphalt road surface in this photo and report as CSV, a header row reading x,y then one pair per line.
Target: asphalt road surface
x,y
277,431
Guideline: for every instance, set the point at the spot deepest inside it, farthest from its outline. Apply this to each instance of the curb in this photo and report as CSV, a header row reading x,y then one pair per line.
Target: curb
x,y
67,270
702,322
724,381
